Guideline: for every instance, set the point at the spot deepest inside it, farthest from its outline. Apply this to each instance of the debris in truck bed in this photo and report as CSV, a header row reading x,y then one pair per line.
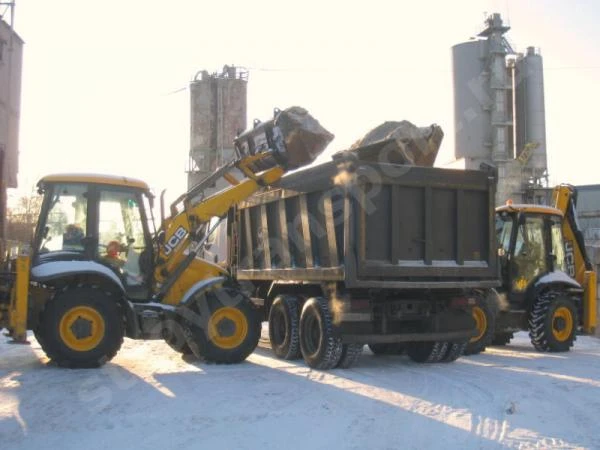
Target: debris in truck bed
x,y
408,144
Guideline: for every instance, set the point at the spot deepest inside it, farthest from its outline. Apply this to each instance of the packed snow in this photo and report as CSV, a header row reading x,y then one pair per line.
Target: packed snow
x,y
150,397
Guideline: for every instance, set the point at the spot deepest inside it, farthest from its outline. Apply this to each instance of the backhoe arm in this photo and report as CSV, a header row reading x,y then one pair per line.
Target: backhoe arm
x,y
578,263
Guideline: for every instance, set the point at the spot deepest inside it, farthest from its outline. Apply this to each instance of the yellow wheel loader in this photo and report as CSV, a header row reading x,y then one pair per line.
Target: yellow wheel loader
x,y
548,283
98,269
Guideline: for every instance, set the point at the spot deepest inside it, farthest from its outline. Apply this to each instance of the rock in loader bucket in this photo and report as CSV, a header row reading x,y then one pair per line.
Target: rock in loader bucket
x,y
293,138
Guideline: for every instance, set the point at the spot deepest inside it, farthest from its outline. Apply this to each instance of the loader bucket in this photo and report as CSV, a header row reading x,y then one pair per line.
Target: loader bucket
x,y
292,139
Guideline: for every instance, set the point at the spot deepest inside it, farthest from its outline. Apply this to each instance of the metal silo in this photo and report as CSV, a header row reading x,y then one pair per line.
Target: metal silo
x,y
530,111
472,103
218,113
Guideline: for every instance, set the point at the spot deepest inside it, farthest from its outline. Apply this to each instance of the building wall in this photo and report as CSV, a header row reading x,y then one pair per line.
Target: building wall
x,y
11,57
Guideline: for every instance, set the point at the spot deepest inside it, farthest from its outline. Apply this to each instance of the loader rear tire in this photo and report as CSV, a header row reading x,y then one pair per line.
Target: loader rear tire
x,y
81,327
320,347
553,322
227,329
427,351
284,325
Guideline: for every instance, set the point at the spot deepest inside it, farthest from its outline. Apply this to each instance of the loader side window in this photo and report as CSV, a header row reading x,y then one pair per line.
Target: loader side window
x,y
66,220
558,247
121,233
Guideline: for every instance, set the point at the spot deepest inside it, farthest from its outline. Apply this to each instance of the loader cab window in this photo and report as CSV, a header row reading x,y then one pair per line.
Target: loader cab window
x,y
66,219
121,236
529,257
558,247
215,248
504,227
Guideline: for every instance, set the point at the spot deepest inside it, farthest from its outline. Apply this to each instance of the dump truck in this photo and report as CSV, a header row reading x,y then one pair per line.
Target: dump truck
x,y
99,269
358,251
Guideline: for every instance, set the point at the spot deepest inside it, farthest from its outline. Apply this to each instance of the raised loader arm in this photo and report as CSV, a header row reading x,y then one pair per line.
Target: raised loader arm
x,y
578,263
263,155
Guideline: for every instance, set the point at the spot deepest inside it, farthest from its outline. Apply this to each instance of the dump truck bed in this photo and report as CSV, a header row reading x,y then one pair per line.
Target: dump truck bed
x,y
376,226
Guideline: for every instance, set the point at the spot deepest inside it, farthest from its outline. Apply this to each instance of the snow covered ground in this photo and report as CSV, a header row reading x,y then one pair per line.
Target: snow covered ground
x,y
149,397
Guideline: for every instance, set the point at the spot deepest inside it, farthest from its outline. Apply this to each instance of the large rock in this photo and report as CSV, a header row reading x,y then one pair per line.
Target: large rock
x,y
304,137
401,143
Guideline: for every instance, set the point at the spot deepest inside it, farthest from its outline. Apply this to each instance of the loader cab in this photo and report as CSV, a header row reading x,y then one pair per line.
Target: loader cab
x,y
530,245
97,218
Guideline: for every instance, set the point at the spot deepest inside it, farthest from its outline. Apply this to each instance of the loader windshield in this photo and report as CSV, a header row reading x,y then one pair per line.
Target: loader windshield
x,y
65,225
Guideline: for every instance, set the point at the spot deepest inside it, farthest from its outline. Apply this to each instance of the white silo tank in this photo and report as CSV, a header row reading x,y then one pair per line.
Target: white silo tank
x,y
530,108
472,102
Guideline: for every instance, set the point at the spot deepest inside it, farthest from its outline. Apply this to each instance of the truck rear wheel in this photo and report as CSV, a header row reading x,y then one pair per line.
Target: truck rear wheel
x,y
283,327
426,351
350,355
553,322
455,350
228,327
81,327
484,314
320,348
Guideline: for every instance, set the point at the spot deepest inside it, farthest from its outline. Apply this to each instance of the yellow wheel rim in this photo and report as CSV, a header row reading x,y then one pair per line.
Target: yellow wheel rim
x,y
562,324
81,328
228,327
480,323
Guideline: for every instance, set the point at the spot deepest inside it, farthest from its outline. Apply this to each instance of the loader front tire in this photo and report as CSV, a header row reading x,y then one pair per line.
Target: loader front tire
x,y
81,327
553,322
484,314
227,329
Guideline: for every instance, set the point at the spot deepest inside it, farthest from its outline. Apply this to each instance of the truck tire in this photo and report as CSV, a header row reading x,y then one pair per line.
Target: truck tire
x,y
175,337
320,348
427,351
455,350
502,338
387,349
228,327
283,327
553,322
350,355
484,314
81,327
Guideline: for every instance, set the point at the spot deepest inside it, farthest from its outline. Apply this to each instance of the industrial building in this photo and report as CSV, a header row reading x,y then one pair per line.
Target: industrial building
x,y
218,113
11,57
499,113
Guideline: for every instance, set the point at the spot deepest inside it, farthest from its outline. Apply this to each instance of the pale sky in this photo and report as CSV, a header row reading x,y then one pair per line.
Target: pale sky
x,y
105,83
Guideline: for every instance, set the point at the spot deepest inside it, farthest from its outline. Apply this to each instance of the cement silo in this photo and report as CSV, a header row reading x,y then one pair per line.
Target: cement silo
x,y
482,105
499,111
472,103
218,113
530,111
